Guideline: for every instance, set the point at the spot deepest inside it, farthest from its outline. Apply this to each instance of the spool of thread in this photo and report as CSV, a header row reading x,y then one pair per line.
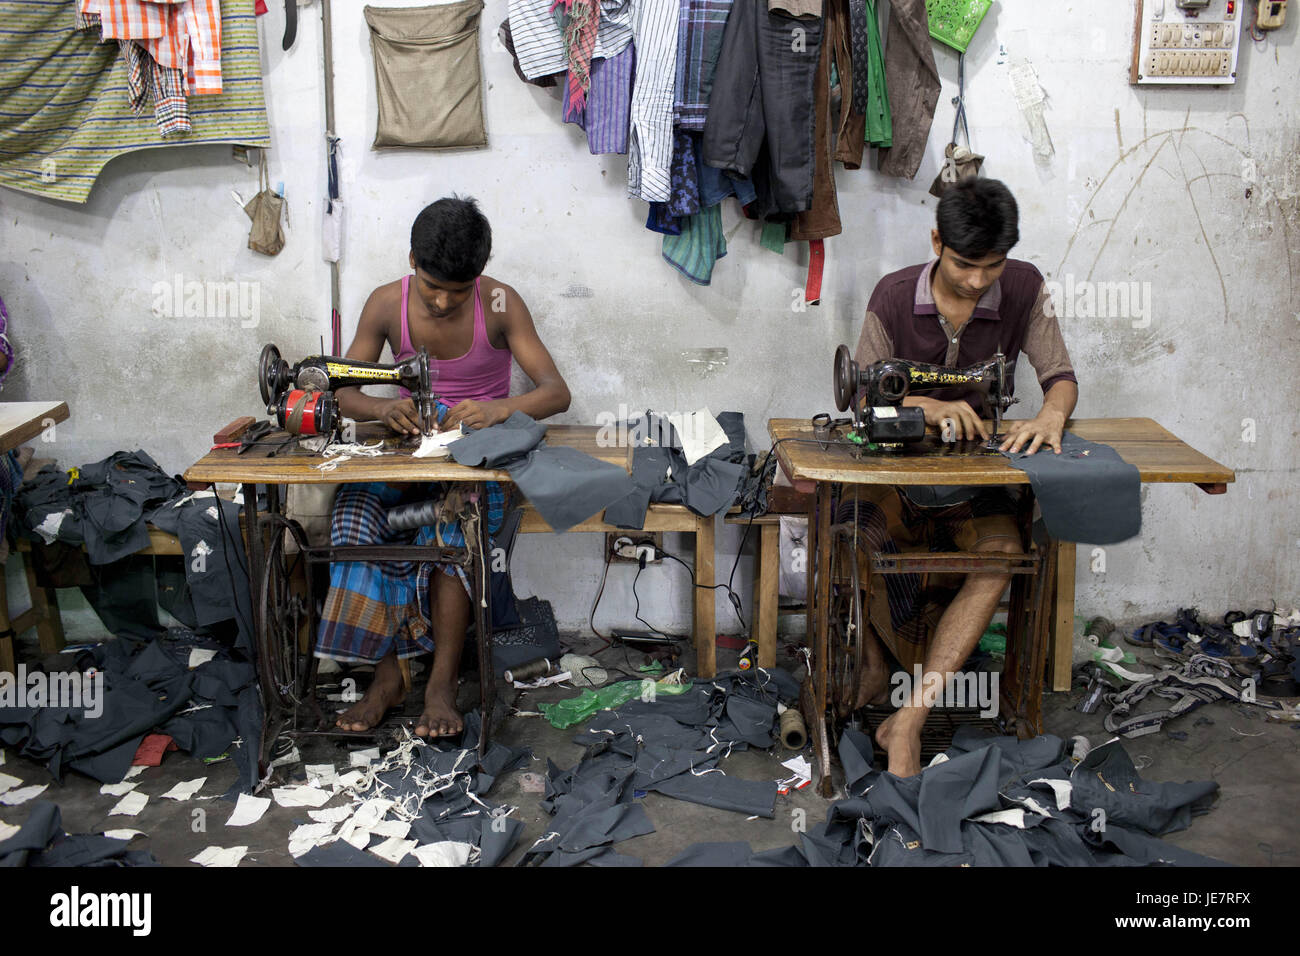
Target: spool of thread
x,y
416,514
794,733
529,671
749,656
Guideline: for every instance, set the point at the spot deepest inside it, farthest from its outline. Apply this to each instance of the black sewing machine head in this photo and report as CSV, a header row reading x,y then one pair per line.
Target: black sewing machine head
x,y
875,394
302,399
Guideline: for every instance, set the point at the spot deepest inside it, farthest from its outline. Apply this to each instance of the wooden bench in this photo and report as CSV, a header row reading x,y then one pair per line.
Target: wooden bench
x,y
44,613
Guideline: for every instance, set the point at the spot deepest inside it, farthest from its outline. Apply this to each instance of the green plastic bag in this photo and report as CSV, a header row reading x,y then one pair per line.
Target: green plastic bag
x,y
574,710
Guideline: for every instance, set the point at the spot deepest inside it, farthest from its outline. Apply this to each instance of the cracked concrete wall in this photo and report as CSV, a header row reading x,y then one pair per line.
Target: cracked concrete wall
x,y
1194,194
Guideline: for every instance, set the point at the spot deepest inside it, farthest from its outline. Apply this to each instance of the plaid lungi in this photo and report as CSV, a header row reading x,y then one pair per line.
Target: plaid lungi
x,y
377,606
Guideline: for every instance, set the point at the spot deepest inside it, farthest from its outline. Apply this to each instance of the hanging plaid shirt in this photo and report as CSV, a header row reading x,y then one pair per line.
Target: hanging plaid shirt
x,y
700,25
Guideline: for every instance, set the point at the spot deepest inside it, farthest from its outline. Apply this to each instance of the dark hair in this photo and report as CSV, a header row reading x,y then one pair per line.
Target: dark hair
x,y
978,218
451,239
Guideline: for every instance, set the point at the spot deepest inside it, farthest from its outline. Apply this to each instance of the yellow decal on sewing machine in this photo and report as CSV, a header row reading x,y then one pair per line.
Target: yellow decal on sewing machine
x,y
340,370
944,378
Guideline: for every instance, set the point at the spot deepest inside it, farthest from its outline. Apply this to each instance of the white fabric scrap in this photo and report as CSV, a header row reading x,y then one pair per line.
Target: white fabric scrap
x,y
248,810
8,782
354,835
1061,788
220,856
301,796
352,780
542,681
391,829
123,834
292,757
321,774
698,432
200,655
393,849
117,789
134,772
331,816
363,758
7,830
435,445
185,789
371,812
13,798
49,528
1013,818
130,805
310,835
447,853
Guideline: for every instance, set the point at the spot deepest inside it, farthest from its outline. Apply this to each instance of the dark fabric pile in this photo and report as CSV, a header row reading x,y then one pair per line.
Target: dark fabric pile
x,y
108,508
42,842
671,746
661,474
146,688
456,812
996,801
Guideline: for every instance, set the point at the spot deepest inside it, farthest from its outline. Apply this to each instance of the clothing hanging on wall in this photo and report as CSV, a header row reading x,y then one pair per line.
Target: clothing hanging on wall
x,y
75,116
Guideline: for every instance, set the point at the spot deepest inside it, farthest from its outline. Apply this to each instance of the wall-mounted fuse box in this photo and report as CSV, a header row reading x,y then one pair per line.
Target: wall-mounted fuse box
x,y
1187,42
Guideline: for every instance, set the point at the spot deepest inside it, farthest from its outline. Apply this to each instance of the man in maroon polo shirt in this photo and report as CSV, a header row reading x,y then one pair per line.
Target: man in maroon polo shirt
x,y
956,310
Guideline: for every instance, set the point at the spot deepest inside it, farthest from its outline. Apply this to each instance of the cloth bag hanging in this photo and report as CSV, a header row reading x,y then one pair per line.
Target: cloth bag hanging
x,y
427,76
264,210
959,162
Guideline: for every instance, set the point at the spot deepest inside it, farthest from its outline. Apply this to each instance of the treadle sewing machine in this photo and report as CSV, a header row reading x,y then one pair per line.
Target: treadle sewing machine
x,y
883,438
875,394
301,397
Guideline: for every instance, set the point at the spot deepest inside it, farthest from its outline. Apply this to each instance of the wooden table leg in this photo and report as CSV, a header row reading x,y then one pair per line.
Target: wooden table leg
x,y
1062,612
45,607
767,592
820,587
704,616
483,621
7,633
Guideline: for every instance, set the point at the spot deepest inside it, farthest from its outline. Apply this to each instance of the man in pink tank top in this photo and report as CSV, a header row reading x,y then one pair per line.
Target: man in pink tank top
x,y
472,326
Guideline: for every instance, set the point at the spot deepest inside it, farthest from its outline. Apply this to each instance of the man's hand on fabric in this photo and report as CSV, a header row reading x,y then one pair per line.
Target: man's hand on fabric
x,y
1043,429
399,414
474,414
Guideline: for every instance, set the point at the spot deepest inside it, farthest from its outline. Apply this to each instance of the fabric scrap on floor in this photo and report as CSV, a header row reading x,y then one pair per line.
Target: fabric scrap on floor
x,y
41,841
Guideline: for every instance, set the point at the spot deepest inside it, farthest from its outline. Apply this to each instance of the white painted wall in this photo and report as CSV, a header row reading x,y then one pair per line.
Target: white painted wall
x,y
1195,191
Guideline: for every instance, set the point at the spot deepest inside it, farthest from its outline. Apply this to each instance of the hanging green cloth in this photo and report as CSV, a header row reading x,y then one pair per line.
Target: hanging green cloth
x,y
880,124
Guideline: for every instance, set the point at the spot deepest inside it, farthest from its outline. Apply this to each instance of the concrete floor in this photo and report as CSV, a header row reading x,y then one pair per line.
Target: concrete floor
x,y
1253,823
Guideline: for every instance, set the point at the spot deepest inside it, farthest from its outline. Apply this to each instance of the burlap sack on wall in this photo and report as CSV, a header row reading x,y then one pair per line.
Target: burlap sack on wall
x,y
427,75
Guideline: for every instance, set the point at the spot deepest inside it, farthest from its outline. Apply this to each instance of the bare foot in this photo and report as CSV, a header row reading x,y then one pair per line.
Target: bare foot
x,y
384,692
902,744
873,685
440,717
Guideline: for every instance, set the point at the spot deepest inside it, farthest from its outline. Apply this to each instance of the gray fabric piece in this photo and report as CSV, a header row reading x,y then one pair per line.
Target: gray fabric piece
x,y
856,755
565,485
714,854
41,841
1107,779
492,447
708,487
926,820
750,797
1087,493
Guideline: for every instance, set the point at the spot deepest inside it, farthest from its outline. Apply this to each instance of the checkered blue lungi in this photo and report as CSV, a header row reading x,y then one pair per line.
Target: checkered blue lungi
x,y
376,606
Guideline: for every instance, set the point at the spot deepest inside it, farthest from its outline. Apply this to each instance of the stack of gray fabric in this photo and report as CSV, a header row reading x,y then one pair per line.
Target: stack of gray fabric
x,y
996,801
